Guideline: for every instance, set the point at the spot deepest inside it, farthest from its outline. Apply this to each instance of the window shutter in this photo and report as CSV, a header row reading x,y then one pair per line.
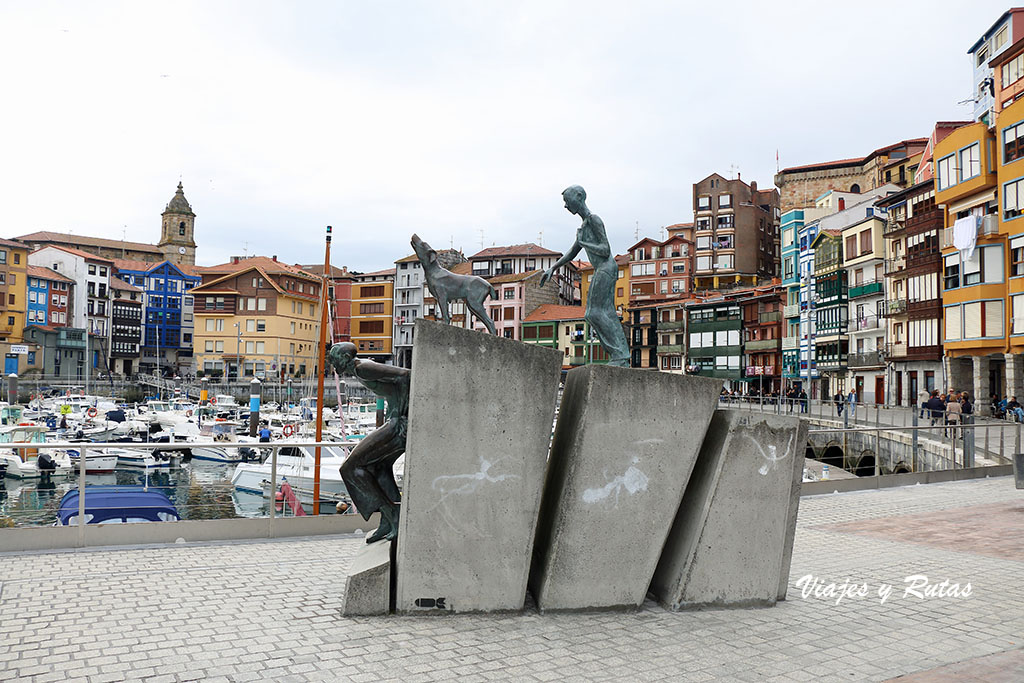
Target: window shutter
x,y
993,318
952,323
972,320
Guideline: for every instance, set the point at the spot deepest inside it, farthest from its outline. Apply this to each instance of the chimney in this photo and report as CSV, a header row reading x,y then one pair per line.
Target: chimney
x,y
234,259
753,187
274,258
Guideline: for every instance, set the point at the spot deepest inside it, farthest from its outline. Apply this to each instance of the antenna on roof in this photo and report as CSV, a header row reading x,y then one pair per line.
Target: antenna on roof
x,y
540,238
733,171
636,232
481,231
245,250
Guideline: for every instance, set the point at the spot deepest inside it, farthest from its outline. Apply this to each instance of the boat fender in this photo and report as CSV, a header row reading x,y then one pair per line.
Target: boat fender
x,y
288,430
91,412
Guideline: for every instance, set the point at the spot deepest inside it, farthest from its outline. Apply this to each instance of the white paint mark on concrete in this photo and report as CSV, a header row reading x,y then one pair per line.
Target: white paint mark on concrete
x,y
632,481
452,351
772,456
448,485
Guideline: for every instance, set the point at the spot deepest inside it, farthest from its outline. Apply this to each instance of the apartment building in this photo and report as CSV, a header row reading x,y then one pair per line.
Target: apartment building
x,y
48,297
373,300
169,323
660,270
736,234
762,311
1010,179
13,303
622,286
973,255
864,263
563,328
125,326
831,344
715,349
339,293
408,306
984,56
670,331
913,305
257,317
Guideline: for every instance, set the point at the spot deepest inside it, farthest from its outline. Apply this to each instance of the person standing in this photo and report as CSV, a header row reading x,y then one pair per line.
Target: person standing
x,y
954,412
838,399
803,401
852,398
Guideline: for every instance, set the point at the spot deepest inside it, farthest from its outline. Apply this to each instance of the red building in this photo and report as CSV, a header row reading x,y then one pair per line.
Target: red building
x,y
339,290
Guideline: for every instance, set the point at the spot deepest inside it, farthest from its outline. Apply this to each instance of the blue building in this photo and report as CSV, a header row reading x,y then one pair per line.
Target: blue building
x,y
792,222
168,319
48,297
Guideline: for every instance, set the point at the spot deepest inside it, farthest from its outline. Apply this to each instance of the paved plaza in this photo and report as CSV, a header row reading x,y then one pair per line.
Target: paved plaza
x,y
270,610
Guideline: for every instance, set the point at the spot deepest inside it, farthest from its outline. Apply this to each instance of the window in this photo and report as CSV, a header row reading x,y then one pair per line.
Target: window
x,y
1017,257
260,346
1013,142
261,325
1013,70
371,327
703,263
92,269
724,261
181,228
103,271
293,328
250,325
261,304
220,347
509,293
970,162
1013,199
787,268
250,347
370,308
725,222
702,244
724,201
704,202
209,346
947,172
298,307
865,241
375,290
704,223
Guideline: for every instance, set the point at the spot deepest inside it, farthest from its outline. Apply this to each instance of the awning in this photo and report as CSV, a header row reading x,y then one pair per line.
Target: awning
x,y
976,200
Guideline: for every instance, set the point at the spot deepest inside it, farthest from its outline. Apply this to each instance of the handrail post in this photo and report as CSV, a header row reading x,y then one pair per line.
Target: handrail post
x,y
81,496
913,442
273,489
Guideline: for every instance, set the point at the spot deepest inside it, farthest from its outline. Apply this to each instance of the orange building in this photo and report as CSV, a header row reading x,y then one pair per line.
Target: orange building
x,y
373,314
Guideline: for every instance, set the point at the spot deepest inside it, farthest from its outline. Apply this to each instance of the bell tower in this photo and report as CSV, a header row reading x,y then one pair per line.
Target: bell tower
x,y
177,233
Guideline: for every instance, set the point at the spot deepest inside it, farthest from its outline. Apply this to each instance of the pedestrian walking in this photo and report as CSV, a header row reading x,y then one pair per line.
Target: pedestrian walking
x,y
803,401
954,412
839,399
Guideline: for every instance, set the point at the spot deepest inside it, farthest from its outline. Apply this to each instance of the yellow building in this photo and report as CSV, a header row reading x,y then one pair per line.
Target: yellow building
x,y
13,288
257,317
373,314
974,254
1010,174
621,284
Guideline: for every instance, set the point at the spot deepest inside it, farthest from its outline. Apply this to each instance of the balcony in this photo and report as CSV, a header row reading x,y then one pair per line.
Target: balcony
x,y
769,317
926,220
893,226
790,343
989,225
868,322
865,289
895,307
866,359
757,370
668,325
831,363
70,338
761,345
929,308
894,351
895,265
791,311
924,259
671,348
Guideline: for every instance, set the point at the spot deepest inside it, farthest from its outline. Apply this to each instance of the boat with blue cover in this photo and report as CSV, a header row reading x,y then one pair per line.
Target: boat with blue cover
x,y
117,505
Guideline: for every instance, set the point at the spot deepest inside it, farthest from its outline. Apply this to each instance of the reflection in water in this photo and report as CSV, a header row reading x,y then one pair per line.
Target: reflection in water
x,y
200,490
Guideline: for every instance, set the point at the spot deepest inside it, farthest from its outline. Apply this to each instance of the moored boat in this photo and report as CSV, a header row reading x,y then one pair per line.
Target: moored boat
x,y
117,505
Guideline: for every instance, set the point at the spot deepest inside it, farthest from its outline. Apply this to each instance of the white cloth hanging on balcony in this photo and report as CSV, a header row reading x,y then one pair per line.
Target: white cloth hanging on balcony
x,y
965,235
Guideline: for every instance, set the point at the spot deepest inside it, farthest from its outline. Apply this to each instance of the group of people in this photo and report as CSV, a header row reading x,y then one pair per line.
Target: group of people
x,y
950,409
795,399
1003,408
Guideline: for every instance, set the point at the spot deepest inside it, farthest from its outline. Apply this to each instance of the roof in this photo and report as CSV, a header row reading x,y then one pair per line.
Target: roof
x,y
408,259
857,161
45,274
378,273
464,268
77,252
318,270
993,27
65,238
512,277
581,264
528,249
550,312
179,204
12,244
129,264
265,263
118,283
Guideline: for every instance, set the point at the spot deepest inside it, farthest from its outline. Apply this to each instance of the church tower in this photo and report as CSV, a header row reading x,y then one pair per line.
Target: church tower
x,y
177,235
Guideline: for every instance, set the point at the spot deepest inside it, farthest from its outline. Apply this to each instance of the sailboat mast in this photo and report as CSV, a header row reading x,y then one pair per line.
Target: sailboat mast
x,y
321,366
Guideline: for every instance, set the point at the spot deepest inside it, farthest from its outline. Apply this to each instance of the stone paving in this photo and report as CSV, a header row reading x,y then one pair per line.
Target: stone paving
x,y
270,610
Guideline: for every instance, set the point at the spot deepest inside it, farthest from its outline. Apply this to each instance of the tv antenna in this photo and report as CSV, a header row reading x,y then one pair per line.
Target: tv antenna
x,y
481,231
636,232
540,238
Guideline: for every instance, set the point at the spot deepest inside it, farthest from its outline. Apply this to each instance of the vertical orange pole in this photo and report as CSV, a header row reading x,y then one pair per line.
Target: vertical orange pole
x,y
321,365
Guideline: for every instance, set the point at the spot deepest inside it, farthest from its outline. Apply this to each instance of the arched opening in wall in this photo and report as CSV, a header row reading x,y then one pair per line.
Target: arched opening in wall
x,y
855,188
809,453
865,465
833,456
901,468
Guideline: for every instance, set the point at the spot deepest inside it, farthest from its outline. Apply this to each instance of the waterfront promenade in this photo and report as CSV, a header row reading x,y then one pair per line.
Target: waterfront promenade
x,y
269,610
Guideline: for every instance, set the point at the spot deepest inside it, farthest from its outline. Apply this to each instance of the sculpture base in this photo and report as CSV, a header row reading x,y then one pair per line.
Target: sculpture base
x,y
624,446
480,415
368,581
732,539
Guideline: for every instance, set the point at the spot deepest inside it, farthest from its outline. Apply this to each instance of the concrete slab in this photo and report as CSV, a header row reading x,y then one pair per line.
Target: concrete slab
x,y
480,418
368,581
624,446
732,539
1018,470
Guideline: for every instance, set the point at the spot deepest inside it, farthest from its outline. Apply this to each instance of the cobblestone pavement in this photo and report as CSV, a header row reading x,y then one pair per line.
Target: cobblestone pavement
x,y
270,610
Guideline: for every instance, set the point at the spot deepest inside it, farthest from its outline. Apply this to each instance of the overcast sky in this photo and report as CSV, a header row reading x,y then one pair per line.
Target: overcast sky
x,y
461,121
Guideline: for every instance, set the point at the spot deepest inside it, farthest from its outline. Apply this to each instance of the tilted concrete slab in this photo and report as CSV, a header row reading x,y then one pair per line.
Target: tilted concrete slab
x,y
624,446
480,418
732,539
368,581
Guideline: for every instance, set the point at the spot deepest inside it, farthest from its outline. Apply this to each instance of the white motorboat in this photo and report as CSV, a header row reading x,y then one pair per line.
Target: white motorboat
x,y
297,464
222,432
30,462
96,461
143,459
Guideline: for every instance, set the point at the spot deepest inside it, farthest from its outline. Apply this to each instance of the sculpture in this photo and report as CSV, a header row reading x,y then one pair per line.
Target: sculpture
x,y
600,311
368,473
447,286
